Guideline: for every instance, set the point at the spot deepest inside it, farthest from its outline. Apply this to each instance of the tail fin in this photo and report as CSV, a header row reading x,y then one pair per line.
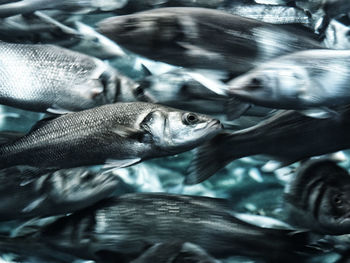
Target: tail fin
x,y
209,158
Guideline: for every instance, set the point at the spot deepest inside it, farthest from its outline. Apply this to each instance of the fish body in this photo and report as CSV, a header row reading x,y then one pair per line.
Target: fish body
x,y
54,79
131,223
122,132
286,137
302,80
25,194
188,37
317,198
70,6
275,14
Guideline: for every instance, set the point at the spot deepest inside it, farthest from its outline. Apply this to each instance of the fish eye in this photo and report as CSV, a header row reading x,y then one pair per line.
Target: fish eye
x,y
338,201
95,40
190,118
256,83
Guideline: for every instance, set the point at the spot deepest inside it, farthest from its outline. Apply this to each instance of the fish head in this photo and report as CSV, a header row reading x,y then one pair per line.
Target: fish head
x,y
176,131
145,32
334,213
271,86
332,205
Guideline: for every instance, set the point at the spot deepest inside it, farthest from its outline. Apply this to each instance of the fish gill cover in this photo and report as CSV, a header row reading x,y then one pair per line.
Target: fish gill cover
x,y
174,131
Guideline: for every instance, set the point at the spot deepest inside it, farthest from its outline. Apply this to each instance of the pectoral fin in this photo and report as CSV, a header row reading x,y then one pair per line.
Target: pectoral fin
x,y
111,163
320,113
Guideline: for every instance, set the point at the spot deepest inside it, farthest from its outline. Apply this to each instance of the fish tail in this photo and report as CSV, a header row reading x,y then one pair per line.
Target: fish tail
x,y
210,158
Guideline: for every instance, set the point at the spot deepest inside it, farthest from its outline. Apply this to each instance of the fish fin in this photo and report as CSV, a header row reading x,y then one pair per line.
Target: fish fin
x,y
262,221
215,85
235,108
111,163
146,70
273,165
320,113
132,133
30,207
57,110
203,165
10,136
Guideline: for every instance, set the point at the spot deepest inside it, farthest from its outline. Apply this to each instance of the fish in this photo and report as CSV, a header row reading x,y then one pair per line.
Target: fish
x,y
187,37
127,225
56,80
175,252
40,28
317,198
25,193
313,81
72,6
118,134
286,137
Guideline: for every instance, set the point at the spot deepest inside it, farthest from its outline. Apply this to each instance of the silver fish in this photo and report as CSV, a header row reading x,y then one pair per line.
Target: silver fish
x,y
188,37
275,14
121,134
287,137
25,194
72,6
55,79
312,79
129,224
317,198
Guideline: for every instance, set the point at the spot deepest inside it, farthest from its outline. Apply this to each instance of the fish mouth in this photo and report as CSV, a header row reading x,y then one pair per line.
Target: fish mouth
x,y
215,123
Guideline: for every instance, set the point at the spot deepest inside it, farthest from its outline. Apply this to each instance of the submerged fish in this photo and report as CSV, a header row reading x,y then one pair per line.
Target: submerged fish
x,y
24,194
121,134
317,198
55,79
287,137
188,37
71,6
126,226
275,14
312,79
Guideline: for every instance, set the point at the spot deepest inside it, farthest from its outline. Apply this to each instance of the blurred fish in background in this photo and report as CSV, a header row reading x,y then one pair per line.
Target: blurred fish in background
x,y
115,114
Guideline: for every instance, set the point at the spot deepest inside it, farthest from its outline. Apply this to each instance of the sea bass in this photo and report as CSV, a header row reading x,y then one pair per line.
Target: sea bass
x,y
288,137
26,194
317,198
121,134
128,225
71,6
56,80
312,79
188,37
